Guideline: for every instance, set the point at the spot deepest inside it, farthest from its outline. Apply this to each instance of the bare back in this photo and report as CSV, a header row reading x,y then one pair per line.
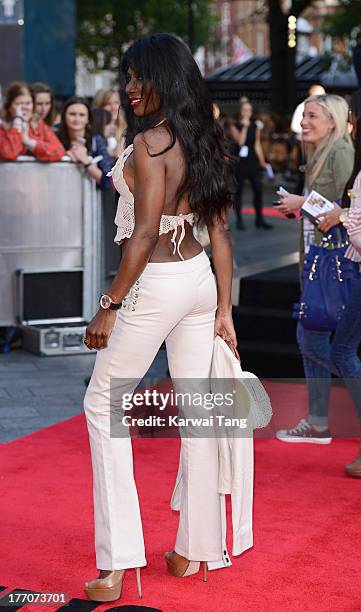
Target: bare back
x,y
157,140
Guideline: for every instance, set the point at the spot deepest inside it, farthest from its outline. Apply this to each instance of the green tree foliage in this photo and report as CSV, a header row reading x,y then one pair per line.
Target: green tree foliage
x,y
344,20
105,28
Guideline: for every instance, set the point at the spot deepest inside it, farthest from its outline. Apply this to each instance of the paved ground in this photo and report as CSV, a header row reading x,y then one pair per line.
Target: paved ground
x,y
253,247
36,392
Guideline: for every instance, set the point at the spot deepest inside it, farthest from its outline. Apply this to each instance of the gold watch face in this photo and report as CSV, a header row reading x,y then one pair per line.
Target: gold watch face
x,y
105,301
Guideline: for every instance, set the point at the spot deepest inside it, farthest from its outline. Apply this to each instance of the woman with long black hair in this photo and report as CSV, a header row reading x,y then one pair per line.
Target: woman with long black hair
x,y
176,171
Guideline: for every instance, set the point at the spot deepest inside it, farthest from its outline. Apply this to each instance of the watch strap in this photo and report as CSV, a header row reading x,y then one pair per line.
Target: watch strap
x,y
115,306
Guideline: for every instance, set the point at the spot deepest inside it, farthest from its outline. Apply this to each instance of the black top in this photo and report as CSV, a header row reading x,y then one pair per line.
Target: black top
x,y
249,157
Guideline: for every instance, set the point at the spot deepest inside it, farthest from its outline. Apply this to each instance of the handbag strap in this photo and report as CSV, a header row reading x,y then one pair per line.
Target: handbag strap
x,y
336,235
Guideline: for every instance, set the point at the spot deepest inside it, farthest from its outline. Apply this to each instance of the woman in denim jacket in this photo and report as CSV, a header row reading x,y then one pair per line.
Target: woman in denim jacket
x,y
85,148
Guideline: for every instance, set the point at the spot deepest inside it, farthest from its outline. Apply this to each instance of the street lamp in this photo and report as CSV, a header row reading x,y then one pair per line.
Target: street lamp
x,y
292,27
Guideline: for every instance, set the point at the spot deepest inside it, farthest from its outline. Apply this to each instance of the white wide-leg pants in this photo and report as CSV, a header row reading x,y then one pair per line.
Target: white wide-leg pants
x,y
175,302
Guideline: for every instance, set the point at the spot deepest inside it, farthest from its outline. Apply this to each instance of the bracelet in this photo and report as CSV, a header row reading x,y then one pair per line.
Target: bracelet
x,y
87,165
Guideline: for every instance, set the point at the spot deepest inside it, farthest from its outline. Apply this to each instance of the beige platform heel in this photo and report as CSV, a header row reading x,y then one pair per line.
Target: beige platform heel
x,y
180,567
110,587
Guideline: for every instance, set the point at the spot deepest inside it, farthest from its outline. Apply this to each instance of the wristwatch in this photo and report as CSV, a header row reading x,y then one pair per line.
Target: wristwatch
x,y
344,215
107,303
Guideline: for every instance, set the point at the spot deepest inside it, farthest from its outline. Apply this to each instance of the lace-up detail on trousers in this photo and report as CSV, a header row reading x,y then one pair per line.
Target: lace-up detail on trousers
x,y
131,299
124,218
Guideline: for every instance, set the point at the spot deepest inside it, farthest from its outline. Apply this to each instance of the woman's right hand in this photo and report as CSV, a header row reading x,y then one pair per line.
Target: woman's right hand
x,y
18,111
18,119
100,328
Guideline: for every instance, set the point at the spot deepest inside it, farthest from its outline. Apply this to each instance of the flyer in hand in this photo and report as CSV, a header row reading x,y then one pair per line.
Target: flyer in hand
x,y
315,204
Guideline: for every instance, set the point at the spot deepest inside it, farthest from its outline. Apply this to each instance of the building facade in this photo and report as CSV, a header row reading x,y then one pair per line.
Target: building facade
x,y
37,43
243,31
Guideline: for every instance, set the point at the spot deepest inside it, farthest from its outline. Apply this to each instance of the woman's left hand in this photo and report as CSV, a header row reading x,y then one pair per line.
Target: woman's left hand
x,y
289,203
329,219
28,142
25,133
223,326
100,328
79,153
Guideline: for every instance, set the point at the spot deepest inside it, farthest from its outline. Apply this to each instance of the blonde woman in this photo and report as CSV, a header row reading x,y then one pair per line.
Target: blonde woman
x,y
109,99
329,154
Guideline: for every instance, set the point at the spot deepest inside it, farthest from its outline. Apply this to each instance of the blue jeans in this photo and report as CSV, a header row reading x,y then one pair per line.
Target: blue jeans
x,y
321,357
315,349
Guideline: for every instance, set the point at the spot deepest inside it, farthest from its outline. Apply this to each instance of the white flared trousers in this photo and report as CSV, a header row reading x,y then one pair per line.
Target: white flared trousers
x,y
175,302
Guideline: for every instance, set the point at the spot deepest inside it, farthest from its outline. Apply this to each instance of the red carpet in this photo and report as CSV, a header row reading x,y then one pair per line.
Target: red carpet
x,y
307,525
268,211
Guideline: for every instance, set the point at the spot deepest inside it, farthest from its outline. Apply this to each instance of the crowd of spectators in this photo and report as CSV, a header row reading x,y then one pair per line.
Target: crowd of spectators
x,y
22,131
93,137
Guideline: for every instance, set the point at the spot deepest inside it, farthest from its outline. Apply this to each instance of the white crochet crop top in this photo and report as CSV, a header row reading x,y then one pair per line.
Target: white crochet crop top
x,y
124,218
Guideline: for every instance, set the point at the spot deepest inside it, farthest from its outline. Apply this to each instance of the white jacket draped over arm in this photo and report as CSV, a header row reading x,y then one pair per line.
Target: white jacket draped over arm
x,y
235,450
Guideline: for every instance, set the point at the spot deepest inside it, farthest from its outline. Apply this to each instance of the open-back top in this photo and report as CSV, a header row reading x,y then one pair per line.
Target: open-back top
x,y
124,218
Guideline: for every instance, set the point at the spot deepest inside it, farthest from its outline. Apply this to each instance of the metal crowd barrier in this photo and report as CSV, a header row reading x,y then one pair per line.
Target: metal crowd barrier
x,y
50,220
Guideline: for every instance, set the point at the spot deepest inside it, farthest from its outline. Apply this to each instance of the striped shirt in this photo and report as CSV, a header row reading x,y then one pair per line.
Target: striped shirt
x,y
353,223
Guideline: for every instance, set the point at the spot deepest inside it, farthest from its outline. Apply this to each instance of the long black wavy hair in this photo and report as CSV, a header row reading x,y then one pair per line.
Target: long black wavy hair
x,y
167,67
356,121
